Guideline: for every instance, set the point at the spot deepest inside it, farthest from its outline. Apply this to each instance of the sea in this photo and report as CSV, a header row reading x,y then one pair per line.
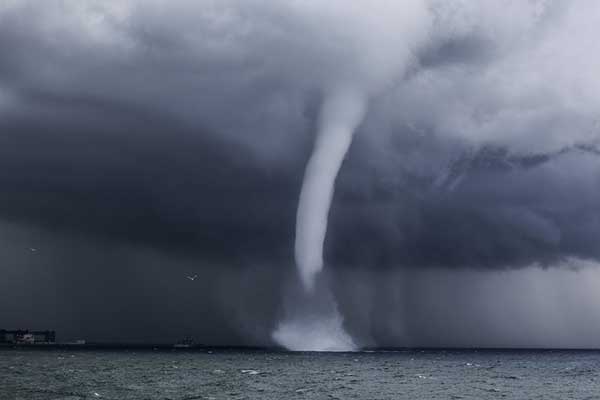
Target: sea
x,y
67,374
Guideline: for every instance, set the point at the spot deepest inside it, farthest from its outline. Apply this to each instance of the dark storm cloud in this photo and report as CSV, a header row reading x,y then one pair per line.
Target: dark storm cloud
x,y
179,133
489,209
181,192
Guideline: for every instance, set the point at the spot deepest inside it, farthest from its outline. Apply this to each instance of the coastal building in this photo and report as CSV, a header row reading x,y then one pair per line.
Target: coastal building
x,y
21,336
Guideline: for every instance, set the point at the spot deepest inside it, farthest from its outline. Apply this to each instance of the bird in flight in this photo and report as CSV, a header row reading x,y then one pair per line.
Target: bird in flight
x,y
191,278
33,249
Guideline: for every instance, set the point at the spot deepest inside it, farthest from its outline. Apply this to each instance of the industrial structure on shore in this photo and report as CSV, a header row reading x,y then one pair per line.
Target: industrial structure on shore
x,y
21,336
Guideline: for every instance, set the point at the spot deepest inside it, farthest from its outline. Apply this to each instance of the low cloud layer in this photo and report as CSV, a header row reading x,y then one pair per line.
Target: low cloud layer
x,y
178,131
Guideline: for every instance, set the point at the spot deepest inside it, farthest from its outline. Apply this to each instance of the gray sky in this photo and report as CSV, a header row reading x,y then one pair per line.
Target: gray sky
x,y
141,142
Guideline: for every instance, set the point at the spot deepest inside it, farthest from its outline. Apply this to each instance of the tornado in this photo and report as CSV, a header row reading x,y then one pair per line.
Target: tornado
x,y
341,113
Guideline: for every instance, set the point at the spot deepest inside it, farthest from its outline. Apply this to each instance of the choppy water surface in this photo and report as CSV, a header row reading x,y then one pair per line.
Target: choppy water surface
x,y
60,374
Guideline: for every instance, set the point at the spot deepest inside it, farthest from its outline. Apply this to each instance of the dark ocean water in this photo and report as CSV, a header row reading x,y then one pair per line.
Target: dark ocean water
x,y
64,374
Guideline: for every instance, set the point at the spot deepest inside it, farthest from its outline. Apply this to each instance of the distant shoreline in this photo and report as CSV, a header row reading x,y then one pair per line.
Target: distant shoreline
x,y
131,346
210,349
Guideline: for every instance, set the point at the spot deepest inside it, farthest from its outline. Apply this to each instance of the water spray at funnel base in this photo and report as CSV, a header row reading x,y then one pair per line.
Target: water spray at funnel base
x,y
319,326
313,324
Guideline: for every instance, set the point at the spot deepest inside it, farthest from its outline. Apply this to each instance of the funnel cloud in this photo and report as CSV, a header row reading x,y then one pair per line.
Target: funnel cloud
x,y
340,115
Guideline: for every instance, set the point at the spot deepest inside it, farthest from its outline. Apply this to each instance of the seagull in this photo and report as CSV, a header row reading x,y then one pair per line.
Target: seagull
x,y
191,278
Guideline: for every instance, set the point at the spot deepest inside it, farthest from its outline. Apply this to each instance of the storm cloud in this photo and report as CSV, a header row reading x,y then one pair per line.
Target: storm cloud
x,y
141,142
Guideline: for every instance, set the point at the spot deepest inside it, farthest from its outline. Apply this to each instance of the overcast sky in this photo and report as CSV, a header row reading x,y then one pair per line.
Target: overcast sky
x,y
145,141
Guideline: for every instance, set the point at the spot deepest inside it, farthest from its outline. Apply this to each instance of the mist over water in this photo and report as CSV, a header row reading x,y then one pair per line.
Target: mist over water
x,y
312,321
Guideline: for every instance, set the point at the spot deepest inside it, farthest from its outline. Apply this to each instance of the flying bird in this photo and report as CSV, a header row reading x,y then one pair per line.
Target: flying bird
x,y
33,249
191,278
